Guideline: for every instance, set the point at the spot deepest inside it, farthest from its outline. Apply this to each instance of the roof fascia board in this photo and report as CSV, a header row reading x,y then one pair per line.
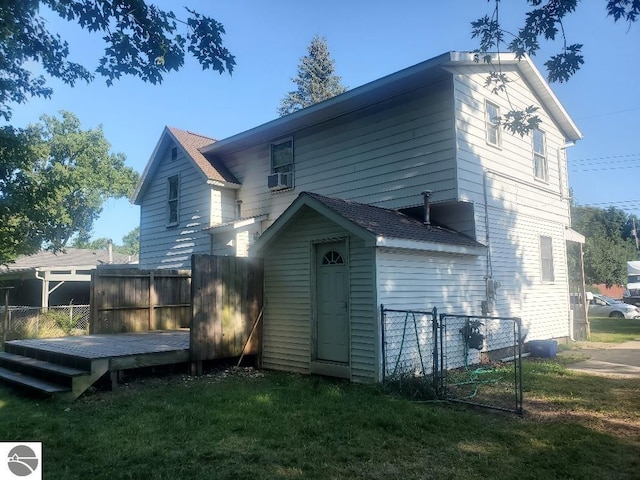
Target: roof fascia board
x,y
311,115
135,197
218,183
536,82
294,210
404,244
154,159
572,236
186,154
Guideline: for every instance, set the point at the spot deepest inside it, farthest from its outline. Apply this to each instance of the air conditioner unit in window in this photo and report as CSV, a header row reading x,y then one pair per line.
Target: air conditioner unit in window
x,y
279,181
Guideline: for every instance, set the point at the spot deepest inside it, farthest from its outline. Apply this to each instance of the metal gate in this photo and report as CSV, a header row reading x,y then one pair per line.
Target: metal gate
x,y
468,359
480,361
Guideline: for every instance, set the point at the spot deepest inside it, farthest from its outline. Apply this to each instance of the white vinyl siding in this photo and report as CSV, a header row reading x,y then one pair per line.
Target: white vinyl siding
x,y
162,247
288,297
420,281
520,209
384,154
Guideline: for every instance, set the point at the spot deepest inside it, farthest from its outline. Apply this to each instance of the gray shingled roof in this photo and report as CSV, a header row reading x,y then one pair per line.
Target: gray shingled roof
x,y
391,223
71,257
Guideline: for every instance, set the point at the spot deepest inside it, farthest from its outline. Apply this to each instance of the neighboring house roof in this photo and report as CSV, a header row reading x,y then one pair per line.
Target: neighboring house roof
x,y
70,258
191,143
389,86
380,227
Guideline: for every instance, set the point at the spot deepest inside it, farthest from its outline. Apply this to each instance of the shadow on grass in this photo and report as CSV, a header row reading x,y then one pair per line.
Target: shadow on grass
x,y
279,425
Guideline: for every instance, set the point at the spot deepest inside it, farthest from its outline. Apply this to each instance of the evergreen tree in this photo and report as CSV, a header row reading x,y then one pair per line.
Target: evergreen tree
x,y
316,80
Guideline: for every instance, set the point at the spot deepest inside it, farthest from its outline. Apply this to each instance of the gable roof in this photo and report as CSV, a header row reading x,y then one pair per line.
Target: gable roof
x,y
380,227
391,85
190,143
70,257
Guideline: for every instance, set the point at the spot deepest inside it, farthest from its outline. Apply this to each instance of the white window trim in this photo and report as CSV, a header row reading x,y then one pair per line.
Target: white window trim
x,y
544,156
293,156
177,200
491,125
543,258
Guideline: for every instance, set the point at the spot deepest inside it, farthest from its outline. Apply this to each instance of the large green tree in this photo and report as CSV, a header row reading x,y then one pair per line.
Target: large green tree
x,y
543,22
54,179
609,243
130,243
316,80
140,40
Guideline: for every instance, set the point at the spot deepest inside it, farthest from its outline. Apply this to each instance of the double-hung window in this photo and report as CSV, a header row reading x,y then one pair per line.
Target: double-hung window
x,y
492,122
173,200
282,162
546,259
540,168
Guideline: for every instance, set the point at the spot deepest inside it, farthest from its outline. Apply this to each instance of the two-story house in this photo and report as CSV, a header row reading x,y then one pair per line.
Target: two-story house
x,y
332,196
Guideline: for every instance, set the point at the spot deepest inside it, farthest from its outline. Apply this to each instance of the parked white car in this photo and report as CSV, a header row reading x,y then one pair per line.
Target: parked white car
x,y
603,306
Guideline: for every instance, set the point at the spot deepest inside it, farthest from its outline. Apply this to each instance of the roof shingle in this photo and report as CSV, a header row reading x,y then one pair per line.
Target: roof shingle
x,y
192,143
392,224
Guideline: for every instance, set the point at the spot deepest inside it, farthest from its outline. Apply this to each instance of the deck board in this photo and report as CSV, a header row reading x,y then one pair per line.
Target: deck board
x,y
92,347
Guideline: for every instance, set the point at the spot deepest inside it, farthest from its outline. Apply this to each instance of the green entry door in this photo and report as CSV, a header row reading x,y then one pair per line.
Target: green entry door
x,y
332,325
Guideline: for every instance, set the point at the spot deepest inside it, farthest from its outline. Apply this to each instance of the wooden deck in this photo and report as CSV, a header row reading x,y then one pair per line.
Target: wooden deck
x,y
113,346
94,355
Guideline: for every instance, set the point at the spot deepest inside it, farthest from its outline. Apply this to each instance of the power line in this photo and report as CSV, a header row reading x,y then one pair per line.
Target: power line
x,y
609,157
599,169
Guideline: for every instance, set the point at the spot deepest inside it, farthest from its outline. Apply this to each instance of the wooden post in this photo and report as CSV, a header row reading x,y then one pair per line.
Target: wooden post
x,y
152,302
93,302
5,317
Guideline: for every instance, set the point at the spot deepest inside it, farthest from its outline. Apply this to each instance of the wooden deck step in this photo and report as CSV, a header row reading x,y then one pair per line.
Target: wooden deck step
x,y
31,382
8,359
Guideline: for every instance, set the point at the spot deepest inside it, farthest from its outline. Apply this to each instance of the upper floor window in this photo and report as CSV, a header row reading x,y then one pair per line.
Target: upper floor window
x,y
492,121
546,259
173,200
539,155
281,165
174,153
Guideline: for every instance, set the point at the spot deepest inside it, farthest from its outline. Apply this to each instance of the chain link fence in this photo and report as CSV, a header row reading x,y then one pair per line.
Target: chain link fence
x,y
37,322
476,360
408,340
481,361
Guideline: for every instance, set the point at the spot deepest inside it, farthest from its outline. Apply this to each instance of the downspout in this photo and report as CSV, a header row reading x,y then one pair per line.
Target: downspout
x,y
487,237
44,296
561,185
490,285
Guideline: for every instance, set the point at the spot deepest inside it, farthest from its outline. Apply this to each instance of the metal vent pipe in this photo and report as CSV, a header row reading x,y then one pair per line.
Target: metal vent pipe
x,y
427,207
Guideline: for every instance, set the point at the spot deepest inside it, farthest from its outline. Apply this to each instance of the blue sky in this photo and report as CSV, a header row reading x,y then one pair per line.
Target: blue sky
x,y
367,39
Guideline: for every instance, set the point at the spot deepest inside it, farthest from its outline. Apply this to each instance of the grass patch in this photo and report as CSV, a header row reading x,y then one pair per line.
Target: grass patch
x,y
287,426
614,330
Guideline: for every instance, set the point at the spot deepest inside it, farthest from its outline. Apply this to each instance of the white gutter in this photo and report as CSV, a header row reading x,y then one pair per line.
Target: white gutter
x,y
404,244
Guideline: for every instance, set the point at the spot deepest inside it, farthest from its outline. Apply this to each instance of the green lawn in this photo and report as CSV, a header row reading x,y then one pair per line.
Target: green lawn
x,y
287,426
614,330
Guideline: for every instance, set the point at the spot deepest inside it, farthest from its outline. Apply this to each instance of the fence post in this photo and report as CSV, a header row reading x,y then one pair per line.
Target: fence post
x,y
384,353
152,302
5,317
436,370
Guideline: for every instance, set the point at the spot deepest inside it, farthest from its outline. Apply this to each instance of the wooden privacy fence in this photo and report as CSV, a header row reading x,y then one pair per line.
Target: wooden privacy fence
x,y
133,300
226,294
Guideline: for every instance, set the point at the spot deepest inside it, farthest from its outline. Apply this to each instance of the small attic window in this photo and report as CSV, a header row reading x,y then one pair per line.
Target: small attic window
x,y
174,153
